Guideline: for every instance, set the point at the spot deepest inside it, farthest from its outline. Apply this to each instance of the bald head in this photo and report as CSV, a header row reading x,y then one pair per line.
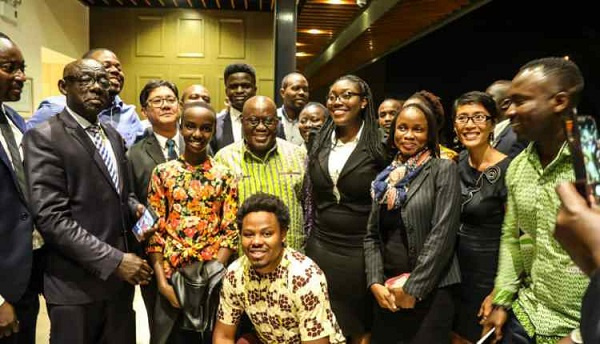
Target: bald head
x,y
259,124
195,93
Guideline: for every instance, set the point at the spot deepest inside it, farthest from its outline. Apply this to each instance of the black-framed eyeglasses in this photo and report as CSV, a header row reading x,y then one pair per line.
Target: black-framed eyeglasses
x,y
255,121
332,98
87,80
12,67
158,101
477,118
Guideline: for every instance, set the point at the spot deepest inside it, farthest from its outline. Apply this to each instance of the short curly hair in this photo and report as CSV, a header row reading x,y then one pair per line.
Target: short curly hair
x,y
261,201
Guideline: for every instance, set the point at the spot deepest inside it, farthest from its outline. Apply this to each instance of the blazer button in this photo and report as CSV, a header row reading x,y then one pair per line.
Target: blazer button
x,y
24,217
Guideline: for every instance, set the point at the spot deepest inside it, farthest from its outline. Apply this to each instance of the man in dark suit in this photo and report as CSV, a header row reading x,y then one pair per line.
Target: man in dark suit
x,y
505,139
160,106
77,174
18,297
240,85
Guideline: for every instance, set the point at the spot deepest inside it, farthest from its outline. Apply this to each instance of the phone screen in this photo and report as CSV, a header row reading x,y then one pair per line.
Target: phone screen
x,y
144,224
582,134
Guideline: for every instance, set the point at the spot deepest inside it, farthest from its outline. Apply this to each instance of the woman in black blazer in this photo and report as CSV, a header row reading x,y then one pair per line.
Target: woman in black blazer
x,y
412,230
346,156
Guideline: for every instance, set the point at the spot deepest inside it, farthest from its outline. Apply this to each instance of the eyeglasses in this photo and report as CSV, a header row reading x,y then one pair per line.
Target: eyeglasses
x,y
477,118
87,80
332,98
267,122
13,67
158,102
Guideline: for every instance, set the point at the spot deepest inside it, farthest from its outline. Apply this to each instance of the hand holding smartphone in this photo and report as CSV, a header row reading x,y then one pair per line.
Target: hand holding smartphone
x,y
144,224
584,143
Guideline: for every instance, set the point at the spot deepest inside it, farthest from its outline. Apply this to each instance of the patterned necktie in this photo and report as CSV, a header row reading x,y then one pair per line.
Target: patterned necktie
x,y
13,149
171,149
97,138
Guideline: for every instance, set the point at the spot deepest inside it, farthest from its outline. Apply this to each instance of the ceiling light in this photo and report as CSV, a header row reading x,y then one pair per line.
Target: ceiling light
x,y
303,54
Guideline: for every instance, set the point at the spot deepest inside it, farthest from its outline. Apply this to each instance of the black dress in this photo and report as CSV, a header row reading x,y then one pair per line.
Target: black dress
x,y
484,199
336,241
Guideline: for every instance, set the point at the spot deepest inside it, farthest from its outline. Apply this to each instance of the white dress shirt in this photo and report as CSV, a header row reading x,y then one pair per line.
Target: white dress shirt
x,y
338,156
290,127
236,124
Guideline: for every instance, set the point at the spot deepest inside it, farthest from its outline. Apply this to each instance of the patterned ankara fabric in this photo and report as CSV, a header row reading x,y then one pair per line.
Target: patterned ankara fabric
x,y
547,285
280,173
197,207
289,305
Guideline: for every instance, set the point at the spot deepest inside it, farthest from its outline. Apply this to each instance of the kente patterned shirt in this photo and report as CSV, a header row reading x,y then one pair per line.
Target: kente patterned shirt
x,y
197,207
547,285
279,173
286,306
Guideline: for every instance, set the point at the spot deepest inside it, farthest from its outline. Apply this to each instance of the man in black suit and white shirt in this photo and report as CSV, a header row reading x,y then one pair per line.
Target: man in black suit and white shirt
x,y
77,174
18,291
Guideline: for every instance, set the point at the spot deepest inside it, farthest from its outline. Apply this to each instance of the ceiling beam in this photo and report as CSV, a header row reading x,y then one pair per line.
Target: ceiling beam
x,y
370,15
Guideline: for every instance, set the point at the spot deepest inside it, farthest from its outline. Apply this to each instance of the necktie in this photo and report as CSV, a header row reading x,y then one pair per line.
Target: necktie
x,y
171,149
98,140
13,149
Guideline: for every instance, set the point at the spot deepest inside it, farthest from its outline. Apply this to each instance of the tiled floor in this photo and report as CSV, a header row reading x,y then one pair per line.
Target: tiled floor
x,y
143,335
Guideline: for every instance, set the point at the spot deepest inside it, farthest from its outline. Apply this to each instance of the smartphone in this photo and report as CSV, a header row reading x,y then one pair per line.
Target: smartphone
x,y
144,223
582,135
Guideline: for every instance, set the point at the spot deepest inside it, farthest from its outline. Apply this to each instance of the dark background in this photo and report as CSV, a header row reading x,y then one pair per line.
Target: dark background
x,y
488,44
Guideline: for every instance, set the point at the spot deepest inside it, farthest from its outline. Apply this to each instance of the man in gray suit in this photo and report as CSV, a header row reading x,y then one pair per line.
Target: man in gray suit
x,y
159,99
76,171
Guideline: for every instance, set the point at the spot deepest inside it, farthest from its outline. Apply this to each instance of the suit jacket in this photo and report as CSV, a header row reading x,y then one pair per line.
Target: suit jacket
x,y
78,210
143,158
590,312
431,216
224,133
16,226
508,143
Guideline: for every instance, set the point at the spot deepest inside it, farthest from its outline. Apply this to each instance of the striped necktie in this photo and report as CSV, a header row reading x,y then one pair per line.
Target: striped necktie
x,y
13,150
98,139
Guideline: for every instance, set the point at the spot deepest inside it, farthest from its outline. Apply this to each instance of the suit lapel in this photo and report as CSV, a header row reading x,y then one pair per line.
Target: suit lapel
x,y
152,148
416,183
227,130
501,136
77,132
4,155
356,158
323,158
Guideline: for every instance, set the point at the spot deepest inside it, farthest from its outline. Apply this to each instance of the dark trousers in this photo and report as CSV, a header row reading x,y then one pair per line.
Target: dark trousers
x,y
429,322
107,321
28,306
514,333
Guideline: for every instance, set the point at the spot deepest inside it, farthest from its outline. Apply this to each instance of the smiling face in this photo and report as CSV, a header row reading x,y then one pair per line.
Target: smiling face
x,y
345,103
311,117
472,134
197,128
12,71
239,87
295,94
112,65
410,135
85,84
262,240
259,125
164,117
534,109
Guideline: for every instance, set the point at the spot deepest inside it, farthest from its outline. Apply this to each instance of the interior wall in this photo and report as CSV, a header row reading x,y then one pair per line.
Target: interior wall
x,y
185,46
59,25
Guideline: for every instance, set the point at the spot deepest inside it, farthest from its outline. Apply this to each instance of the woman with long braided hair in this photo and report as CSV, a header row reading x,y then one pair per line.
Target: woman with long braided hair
x,y
346,156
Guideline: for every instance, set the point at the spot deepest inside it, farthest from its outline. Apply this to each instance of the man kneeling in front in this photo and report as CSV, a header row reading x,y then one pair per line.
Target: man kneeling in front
x,y
283,292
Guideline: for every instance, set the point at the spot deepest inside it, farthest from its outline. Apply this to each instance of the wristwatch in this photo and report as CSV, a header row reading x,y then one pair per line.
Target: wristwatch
x,y
576,336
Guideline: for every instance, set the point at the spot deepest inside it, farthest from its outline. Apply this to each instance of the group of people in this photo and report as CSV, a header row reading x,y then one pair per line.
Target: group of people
x,y
307,223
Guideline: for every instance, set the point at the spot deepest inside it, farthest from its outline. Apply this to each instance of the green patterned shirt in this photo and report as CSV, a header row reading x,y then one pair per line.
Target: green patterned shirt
x,y
280,173
533,267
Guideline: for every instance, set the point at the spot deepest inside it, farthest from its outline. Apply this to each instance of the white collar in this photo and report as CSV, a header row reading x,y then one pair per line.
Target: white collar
x,y
337,142
162,140
84,123
235,114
